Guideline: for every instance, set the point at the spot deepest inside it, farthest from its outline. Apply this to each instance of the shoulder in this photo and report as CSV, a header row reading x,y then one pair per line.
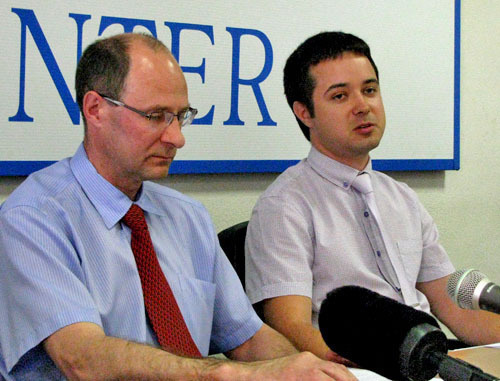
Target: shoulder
x,y
158,191
394,192
289,183
294,192
167,199
390,184
42,187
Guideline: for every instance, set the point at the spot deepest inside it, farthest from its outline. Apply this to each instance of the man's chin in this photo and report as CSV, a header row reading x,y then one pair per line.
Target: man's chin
x,y
371,143
157,173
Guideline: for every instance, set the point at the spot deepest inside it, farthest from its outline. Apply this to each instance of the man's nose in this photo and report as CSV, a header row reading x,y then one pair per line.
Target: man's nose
x,y
173,134
361,105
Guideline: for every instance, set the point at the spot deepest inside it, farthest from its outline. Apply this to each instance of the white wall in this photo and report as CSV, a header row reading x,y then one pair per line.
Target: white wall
x,y
464,203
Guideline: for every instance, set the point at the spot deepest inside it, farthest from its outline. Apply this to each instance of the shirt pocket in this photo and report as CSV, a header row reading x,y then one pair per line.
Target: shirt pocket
x,y
410,251
197,301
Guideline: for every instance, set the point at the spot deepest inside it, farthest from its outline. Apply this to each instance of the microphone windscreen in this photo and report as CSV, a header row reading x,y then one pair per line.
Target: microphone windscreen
x,y
368,328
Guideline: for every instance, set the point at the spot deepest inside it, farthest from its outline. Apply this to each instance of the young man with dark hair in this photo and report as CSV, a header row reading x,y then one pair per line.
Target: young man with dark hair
x,y
331,220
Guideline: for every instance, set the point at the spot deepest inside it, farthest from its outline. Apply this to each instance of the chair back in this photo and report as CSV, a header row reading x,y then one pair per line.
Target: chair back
x,y
232,241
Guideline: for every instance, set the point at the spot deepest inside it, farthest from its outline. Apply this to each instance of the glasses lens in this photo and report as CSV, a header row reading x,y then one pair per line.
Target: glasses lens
x,y
187,117
157,117
168,117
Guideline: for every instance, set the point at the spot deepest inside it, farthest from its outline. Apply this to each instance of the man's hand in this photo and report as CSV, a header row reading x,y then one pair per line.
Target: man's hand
x,y
299,367
275,358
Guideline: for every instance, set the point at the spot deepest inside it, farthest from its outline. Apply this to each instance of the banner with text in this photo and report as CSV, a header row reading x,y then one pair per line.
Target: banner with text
x,y
232,54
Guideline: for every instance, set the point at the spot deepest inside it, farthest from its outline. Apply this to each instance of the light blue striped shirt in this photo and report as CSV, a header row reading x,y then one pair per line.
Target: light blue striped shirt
x,y
65,257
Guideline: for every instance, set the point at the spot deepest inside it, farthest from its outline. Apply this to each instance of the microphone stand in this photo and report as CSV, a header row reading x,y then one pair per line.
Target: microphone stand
x,y
452,369
423,354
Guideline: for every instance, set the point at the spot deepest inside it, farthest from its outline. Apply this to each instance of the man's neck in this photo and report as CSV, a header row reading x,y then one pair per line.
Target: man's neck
x,y
358,162
126,184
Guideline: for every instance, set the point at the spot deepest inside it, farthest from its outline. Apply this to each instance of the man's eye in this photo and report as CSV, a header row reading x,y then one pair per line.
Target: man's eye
x,y
371,90
157,116
338,97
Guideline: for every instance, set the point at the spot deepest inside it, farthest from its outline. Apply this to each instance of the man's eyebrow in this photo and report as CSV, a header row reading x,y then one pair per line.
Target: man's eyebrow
x,y
344,84
160,108
371,80
335,85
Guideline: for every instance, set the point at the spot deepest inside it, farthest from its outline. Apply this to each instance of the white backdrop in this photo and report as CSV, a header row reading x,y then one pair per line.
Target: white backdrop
x,y
412,42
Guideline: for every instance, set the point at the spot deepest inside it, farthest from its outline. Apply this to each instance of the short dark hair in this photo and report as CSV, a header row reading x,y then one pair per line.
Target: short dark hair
x,y
104,65
297,80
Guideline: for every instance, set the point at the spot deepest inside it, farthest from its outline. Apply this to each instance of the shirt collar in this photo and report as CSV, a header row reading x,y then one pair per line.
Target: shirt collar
x,y
146,202
337,173
111,203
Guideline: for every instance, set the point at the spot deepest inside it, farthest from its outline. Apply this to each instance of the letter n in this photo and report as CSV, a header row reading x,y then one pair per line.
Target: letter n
x,y
29,21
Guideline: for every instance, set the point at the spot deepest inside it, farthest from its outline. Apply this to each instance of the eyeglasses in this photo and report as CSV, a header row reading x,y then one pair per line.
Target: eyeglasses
x,y
185,117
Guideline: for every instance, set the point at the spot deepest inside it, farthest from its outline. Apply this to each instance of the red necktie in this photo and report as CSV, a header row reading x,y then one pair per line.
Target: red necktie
x,y
162,309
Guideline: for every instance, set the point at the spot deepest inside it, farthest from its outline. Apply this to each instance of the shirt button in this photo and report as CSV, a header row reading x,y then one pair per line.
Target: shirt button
x,y
378,253
346,184
366,214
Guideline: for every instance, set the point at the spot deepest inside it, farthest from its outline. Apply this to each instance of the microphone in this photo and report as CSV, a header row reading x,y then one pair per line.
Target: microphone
x,y
389,338
472,290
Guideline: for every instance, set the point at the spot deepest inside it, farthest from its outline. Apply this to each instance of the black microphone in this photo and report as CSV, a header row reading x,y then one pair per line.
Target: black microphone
x,y
472,290
389,338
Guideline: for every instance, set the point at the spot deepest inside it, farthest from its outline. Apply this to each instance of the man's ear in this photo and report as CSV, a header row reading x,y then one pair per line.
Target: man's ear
x,y
93,108
301,111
